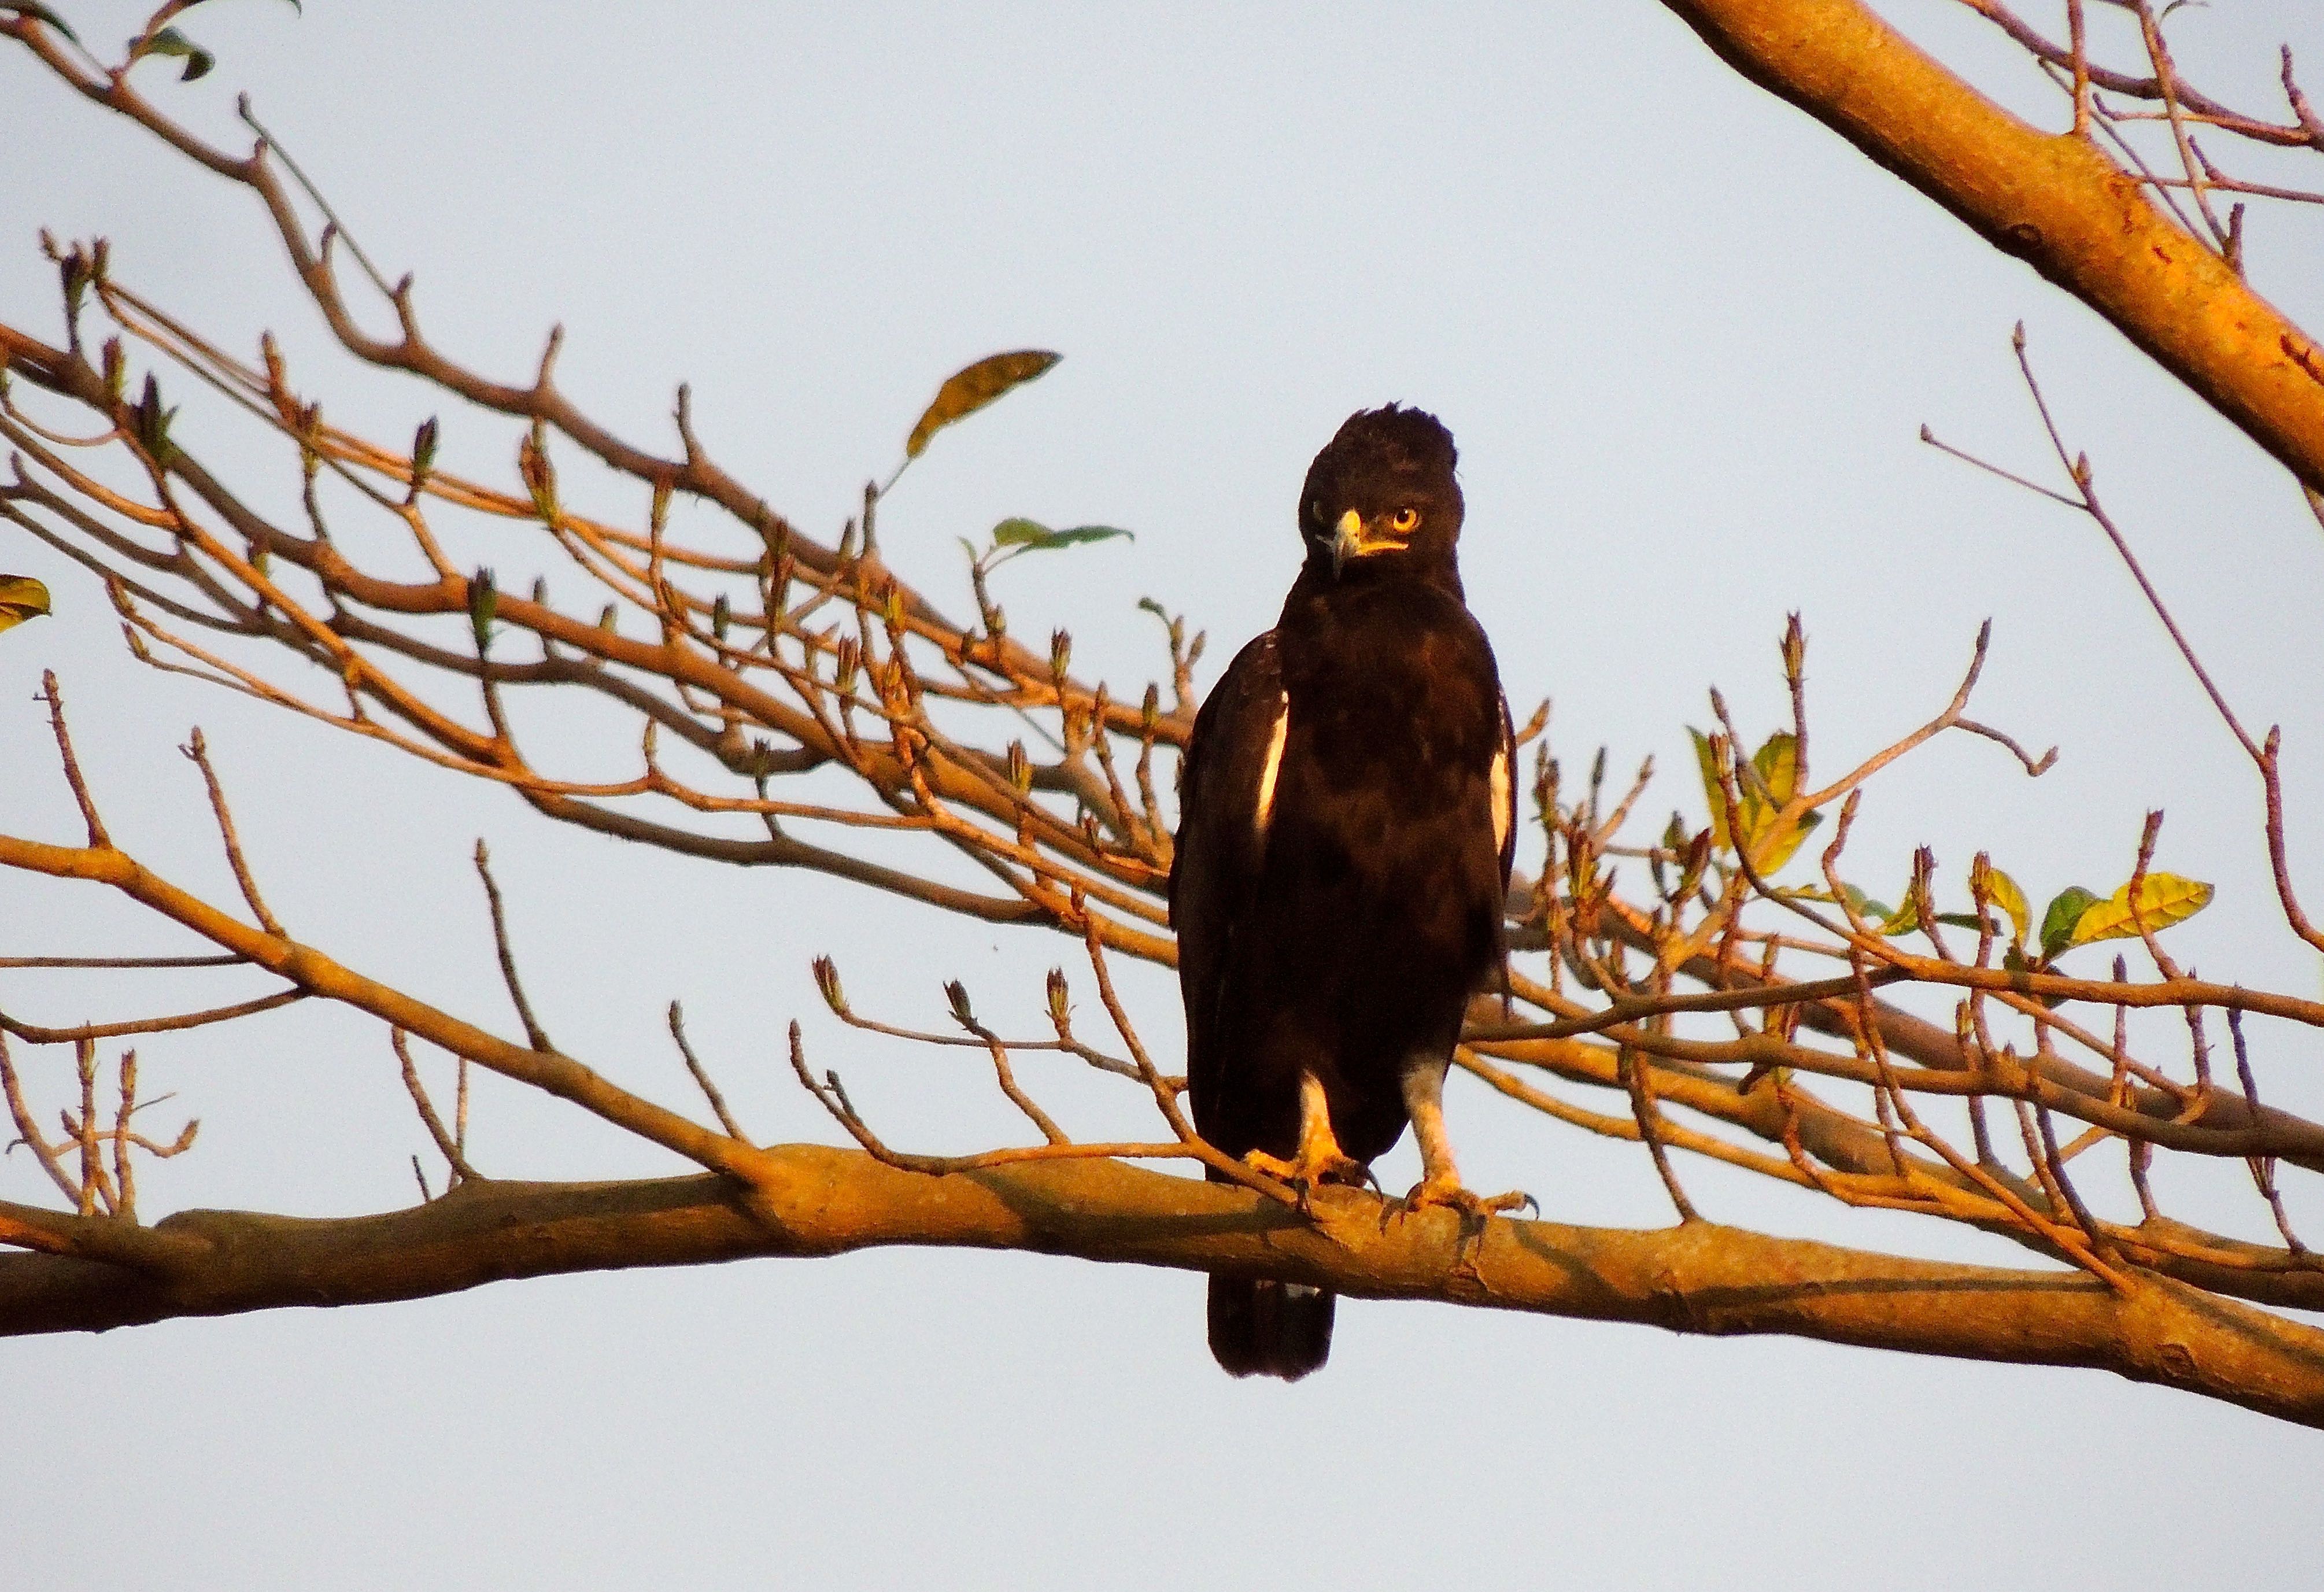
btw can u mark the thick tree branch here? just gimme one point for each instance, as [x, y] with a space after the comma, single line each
[812, 1201]
[2051, 200]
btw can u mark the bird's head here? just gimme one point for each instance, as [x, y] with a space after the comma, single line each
[1382, 496]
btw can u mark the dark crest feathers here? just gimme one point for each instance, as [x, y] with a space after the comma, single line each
[1378, 451]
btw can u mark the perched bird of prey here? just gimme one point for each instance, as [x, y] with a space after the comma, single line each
[1346, 825]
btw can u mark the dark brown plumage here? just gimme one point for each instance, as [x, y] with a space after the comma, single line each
[1344, 840]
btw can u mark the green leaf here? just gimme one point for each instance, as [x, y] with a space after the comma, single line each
[2065, 911]
[1878, 914]
[1866, 906]
[169, 42]
[2164, 899]
[1903, 921]
[42, 14]
[1035, 537]
[21, 598]
[966, 391]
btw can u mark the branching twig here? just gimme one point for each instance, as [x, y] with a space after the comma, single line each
[446, 1143]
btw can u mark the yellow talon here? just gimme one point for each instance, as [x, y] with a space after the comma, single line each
[1313, 1166]
[1319, 1158]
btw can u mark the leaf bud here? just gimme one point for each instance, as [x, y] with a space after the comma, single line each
[826, 983]
[483, 602]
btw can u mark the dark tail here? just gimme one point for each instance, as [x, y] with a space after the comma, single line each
[1262, 1328]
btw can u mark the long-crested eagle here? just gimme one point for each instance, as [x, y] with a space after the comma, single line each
[1346, 826]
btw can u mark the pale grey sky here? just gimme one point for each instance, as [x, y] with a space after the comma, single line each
[1685, 338]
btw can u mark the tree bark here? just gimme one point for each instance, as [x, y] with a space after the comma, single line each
[1699, 1278]
[2051, 199]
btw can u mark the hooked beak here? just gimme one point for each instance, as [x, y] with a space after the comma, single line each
[1349, 541]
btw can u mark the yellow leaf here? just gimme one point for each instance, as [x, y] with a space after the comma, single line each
[1767, 841]
[1773, 771]
[1777, 764]
[2164, 899]
[968, 391]
[1711, 787]
[1772, 843]
[21, 598]
[2003, 892]
[1904, 920]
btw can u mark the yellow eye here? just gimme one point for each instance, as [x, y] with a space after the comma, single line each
[1404, 520]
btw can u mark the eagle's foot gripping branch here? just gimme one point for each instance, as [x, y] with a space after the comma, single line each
[1318, 1160]
[1313, 1167]
[1448, 1191]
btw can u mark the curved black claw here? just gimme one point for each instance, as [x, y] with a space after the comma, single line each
[1447, 1191]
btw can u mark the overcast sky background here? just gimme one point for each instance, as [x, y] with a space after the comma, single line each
[1685, 338]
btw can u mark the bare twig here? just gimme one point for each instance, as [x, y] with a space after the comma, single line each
[28, 1133]
[1638, 1082]
[34, 1033]
[199, 754]
[702, 1076]
[533, 1031]
[97, 838]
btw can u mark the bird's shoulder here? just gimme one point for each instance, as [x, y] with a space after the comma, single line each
[1248, 698]
[1240, 726]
